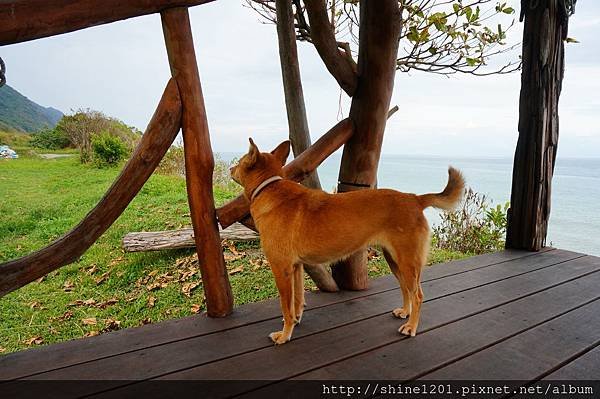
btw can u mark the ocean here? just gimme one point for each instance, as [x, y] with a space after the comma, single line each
[574, 219]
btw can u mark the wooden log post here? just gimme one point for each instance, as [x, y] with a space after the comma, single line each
[379, 33]
[199, 161]
[24, 20]
[541, 81]
[155, 142]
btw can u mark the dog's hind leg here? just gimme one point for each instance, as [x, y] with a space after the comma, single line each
[284, 279]
[410, 271]
[298, 292]
[404, 311]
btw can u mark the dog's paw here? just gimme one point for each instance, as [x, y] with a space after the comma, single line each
[408, 329]
[278, 338]
[400, 313]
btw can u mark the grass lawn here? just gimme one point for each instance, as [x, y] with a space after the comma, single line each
[108, 289]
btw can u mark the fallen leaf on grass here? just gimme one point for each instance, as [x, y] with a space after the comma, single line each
[187, 288]
[258, 263]
[236, 270]
[82, 302]
[68, 286]
[39, 280]
[34, 305]
[231, 246]
[66, 316]
[188, 273]
[91, 321]
[145, 321]
[93, 269]
[230, 258]
[107, 303]
[372, 254]
[92, 333]
[2, 349]
[196, 308]
[151, 301]
[111, 325]
[156, 285]
[34, 341]
[101, 279]
[116, 261]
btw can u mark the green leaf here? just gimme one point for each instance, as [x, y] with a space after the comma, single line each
[571, 40]
[456, 7]
[472, 61]
[508, 10]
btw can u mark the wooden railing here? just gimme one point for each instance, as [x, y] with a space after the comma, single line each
[181, 106]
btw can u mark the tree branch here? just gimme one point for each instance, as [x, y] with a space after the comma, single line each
[323, 37]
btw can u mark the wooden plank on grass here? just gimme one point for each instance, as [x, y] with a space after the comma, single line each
[182, 238]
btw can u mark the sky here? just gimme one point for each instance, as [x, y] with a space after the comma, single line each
[121, 69]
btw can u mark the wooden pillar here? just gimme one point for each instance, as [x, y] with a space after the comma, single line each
[541, 81]
[199, 161]
[378, 49]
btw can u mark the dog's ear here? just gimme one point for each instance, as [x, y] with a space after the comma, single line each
[253, 152]
[282, 152]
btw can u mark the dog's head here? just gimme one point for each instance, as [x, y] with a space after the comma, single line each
[255, 166]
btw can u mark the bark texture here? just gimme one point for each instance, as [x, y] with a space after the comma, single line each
[541, 81]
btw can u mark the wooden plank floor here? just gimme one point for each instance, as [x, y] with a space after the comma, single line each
[511, 315]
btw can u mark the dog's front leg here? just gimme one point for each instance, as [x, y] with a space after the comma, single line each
[284, 280]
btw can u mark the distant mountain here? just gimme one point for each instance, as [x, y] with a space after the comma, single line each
[19, 113]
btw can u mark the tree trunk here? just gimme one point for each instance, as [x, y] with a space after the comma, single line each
[541, 82]
[380, 25]
[292, 85]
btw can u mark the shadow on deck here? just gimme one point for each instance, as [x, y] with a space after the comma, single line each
[511, 315]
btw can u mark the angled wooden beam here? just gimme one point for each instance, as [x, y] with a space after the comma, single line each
[155, 142]
[24, 20]
[199, 161]
[297, 170]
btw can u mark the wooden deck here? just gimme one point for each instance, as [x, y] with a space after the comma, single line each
[510, 315]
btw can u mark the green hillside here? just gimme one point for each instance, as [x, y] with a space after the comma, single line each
[18, 113]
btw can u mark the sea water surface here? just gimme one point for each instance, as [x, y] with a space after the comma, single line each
[574, 218]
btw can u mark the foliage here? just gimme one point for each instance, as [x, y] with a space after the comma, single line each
[443, 37]
[50, 139]
[173, 164]
[107, 289]
[108, 150]
[476, 227]
[13, 139]
[81, 126]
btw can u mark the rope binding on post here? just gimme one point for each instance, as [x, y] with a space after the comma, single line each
[2, 73]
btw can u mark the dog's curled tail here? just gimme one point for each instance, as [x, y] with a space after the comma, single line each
[450, 197]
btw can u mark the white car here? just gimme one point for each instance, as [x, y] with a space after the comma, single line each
[7, 153]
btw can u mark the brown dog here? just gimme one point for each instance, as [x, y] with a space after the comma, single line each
[299, 225]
